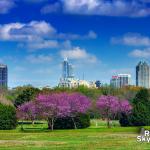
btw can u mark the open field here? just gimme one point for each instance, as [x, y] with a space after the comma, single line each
[36, 137]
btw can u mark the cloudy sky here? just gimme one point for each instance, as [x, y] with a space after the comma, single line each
[100, 37]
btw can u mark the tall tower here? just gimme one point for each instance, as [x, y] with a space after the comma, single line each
[67, 79]
[143, 74]
[3, 76]
[67, 69]
[70, 75]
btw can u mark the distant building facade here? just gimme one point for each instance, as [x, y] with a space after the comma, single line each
[114, 82]
[67, 69]
[3, 76]
[121, 80]
[143, 74]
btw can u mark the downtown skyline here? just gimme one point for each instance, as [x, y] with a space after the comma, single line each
[35, 36]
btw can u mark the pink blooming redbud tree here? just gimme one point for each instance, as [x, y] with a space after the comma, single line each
[52, 106]
[110, 106]
[27, 111]
[125, 107]
[78, 103]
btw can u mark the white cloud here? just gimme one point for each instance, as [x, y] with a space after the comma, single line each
[36, 59]
[37, 30]
[138, 53]
[92, 35]
[107, 8]
[31, 31]
[38, 35]
[78, 54]
[132, 39]
[43, 44]
[6, 6]
[70, 36]
[51, 8]
[32, 35]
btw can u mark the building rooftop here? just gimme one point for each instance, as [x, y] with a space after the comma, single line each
[3, 66]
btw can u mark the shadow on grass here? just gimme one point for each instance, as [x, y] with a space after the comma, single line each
[30, 123]
[34, 130]
[40, 126]
[122, 130]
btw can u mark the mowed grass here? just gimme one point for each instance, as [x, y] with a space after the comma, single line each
[98, 136]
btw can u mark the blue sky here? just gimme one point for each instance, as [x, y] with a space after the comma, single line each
[101, 38]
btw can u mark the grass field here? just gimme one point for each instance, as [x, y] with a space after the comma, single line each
[37, 137]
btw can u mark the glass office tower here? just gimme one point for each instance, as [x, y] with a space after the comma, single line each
[143, 74]
[3, 76]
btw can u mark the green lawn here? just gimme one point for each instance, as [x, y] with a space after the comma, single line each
[36, 137]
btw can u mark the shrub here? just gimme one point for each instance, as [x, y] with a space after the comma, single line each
[7, 117]
[124, 120]
[82, 121]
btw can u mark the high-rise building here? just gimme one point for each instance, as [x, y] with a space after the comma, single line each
[70, 71]
[3, 76]
[67, 69]
[143, 74]
[121, 80]
[124, 79]
[67, 79]
[114, 82]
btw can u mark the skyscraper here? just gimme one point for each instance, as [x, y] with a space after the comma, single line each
[143, 74]
[3, 76]
[70, 71]
[67, 79]
[67, 69]
[124, 79]
[120, 80]
[114, 82]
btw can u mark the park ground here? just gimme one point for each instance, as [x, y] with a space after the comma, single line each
[96, 137]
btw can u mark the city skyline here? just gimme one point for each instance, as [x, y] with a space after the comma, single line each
[99, 43]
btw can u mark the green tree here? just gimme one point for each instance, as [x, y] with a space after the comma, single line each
[26, 94]
[141, 109]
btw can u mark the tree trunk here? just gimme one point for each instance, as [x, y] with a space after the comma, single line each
[51, 124]
[75, 126]
[108, 123]
[32, 122]
[22, 125]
